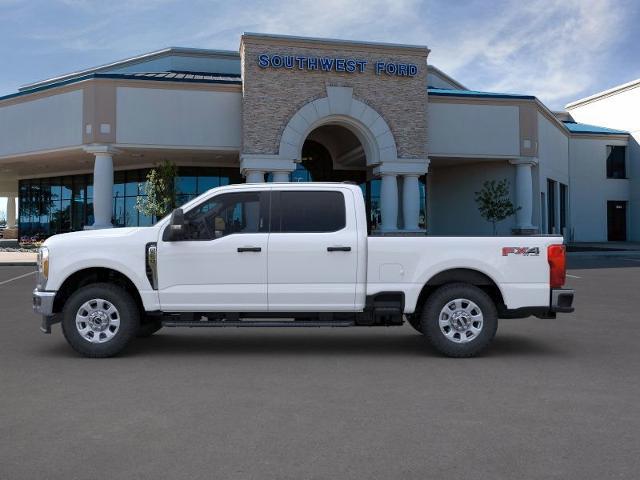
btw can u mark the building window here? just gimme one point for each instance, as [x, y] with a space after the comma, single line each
[564, 201]
[543, 212]
[551, 206]
[616, 161]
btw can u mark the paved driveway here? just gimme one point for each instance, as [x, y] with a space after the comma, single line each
[551, 399]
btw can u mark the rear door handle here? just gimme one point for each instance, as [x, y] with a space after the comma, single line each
[338, 249]
[249, 249]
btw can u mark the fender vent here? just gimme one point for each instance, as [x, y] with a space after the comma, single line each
[151, 264]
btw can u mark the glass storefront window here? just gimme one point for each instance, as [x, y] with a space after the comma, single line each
[118, 219]
[89, 181]
[131, 214]
[60, 204]
[67, 188]
[207, 183]
[186, 185]
[131, 184]
[118, 184]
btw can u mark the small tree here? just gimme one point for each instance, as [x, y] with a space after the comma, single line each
[160, 191]
[494, 203]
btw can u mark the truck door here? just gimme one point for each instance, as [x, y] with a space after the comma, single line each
[221, 264]
[313, 251]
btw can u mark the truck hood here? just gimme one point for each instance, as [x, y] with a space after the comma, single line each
[107, 236]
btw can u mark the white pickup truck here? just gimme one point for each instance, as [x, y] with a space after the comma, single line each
[290, 255]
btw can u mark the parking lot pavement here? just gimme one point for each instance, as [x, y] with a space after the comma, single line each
[551, 399]
[9, 274]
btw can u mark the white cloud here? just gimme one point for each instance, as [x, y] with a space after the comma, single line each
[553, 49]
[349, 19]
[549, 48]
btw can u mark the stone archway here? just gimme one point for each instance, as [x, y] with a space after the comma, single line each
[340, 108]
[399, 206]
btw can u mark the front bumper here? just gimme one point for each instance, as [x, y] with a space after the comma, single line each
[561, 300]
[43, 305]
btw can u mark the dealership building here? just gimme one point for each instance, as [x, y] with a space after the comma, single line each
[75, 150]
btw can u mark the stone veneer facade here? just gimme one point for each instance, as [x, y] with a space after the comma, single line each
[272, 96]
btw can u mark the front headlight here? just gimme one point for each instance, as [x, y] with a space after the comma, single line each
[43, 262]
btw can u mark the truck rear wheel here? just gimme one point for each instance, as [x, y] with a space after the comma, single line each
[99, 320]
[459, 320]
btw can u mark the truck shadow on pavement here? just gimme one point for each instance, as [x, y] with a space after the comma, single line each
[317, 344]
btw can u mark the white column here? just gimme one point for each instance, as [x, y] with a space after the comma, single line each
[280, 176]
[254, 166]
[410, 201]
[254, 176]
[389, 202]
[524, 192]
[102, 185]
[11, 212]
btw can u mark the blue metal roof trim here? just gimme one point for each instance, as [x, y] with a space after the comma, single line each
[227, 79]
[445, 92]
[575, 127]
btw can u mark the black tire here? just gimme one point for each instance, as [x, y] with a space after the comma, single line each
[127, 312]
[416, 322]
[148, 327]
[449, 346]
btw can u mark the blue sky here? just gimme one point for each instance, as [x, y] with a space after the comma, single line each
[559, 50]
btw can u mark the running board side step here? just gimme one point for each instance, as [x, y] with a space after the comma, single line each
[260, 323]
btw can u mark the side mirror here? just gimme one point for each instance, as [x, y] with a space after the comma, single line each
[176, 228]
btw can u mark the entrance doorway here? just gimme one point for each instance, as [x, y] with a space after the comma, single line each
[617, 221]
[332, 153]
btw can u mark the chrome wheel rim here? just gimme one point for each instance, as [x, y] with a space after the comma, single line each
[461, 320]
[97, 320]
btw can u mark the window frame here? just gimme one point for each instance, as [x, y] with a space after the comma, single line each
[609, 168]
[275, 224]
[552, 206]
[264, 207]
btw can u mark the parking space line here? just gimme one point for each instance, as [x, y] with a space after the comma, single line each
[17, 278]
[573, 276]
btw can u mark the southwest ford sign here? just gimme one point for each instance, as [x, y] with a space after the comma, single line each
[335, 64]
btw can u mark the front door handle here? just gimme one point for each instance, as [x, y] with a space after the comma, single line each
[338, 249]
[249, 249]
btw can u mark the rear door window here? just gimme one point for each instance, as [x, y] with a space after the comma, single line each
[308, 212]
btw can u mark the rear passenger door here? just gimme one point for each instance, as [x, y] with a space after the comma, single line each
[312, 251]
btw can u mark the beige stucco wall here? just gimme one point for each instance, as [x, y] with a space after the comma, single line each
[473, 129]
[44, 123]
[272, 96]
[178, 117]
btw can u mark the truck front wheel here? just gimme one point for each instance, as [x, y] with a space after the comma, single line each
[459, 320]
[100, 319]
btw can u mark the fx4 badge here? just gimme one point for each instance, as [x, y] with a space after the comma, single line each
[526, 251]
